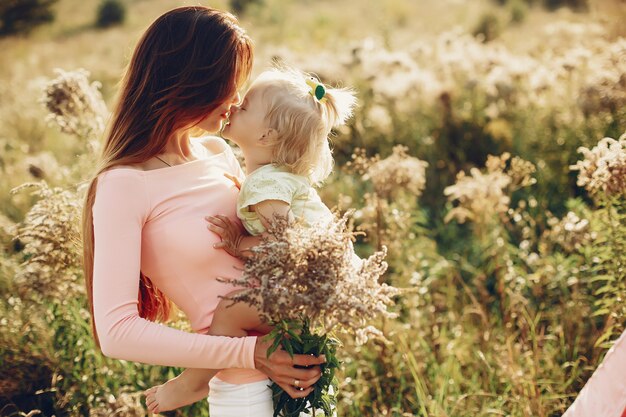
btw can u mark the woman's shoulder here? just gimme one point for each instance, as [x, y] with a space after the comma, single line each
[126, 171]
[214, 146]
[121, 186]
[122, 180]
[123, 177]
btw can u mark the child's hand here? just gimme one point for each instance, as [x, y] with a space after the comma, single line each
[234, 179]
[229, 232]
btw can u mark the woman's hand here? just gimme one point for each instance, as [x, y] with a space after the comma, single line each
[279, 367]
[229, 232]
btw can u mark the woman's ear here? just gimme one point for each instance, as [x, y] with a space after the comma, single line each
[269, 137]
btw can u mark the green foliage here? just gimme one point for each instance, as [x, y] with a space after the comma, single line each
[297, 338]
[22, 16]
[110, 13]
[27, 365]
[608, 268]
[483, 324]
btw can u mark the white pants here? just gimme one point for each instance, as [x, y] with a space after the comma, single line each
[240, 400]
[244, 400]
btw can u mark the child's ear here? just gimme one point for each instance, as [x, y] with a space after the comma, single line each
[268, 137]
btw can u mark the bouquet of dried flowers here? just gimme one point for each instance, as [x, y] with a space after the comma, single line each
[308, 283]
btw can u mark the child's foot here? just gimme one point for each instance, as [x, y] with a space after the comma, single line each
[172, 395]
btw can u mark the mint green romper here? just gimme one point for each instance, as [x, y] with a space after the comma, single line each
[274, 183]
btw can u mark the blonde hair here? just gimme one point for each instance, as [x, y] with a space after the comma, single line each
[302, 122]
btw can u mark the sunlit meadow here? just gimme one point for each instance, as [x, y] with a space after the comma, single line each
[487, 155]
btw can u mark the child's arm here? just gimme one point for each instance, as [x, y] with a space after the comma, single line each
[268, 209]
[233, 240]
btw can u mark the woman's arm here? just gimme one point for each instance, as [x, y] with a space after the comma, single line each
[119, 213]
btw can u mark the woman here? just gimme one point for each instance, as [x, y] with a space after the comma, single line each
[145, 239]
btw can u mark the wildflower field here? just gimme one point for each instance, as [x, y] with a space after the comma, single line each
[487, 155]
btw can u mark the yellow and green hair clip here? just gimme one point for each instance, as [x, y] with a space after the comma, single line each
[317, 89]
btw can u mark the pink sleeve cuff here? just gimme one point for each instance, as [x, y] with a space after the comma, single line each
[249, 345]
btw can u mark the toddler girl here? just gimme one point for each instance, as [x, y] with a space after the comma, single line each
[282, 127]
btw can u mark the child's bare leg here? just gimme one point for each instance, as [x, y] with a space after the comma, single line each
[236, 319]
[190, 386]
[229, 319]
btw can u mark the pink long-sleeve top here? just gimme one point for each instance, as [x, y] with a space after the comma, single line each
[153, 222]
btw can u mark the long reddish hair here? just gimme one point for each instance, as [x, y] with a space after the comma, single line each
[188, 62]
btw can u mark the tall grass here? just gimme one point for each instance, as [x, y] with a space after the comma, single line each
[513, 270]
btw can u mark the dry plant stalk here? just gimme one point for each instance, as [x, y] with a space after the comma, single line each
[75, 104]
[51, 236]
[603, 168]
[571, 233]
[602, 172]
[399, 171]
[482, 196]
[386, 215]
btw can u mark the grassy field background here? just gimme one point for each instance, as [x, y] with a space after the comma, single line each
[514, 269]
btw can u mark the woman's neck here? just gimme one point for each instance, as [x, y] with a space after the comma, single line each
[179, 146]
